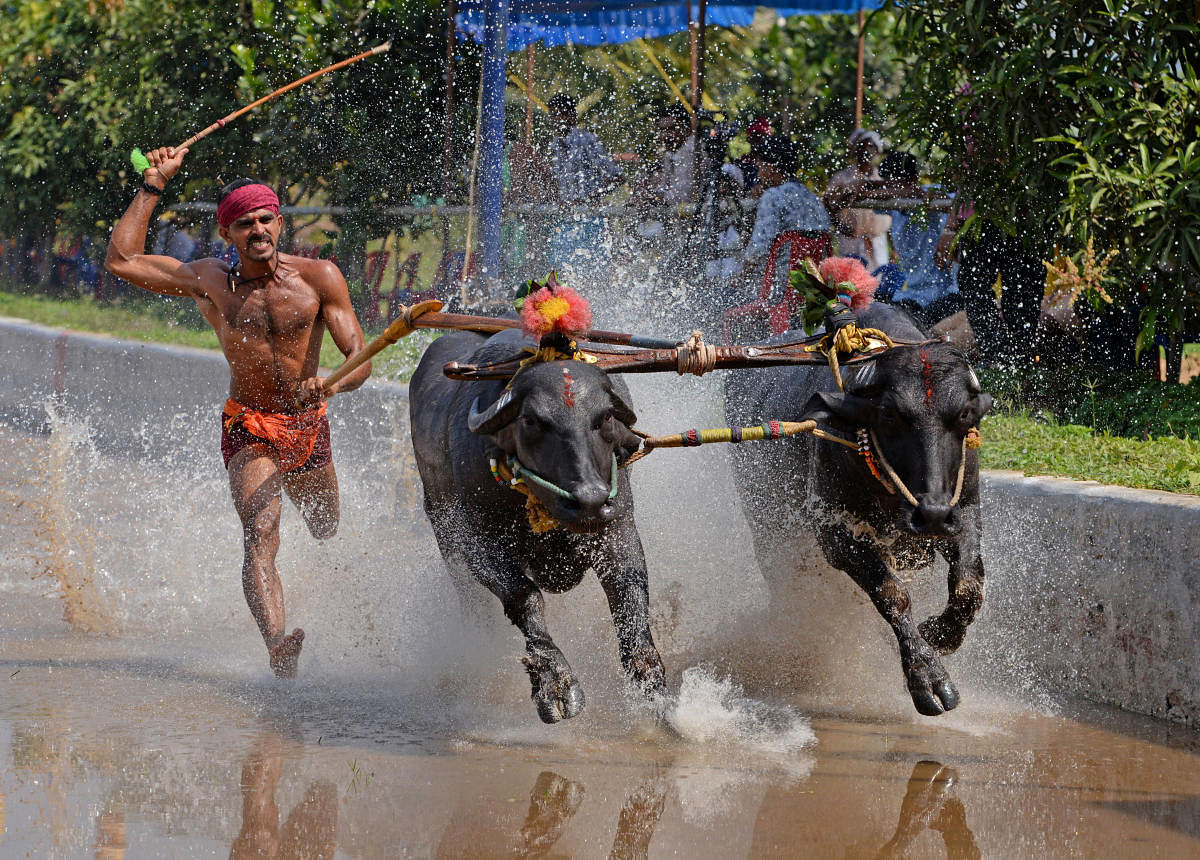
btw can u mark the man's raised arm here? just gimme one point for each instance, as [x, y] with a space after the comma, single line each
[126, 257]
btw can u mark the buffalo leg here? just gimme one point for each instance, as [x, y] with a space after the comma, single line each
[928, 681]
[628, 593]
[946, 632]
[556, 691]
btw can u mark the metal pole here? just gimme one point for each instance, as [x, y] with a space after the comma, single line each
[697, 94]
[858, 95]
[495, 48]
[529, 93]
[695, 54]
[448, 122]
[701, 43]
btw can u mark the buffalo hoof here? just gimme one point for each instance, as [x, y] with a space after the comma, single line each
[943, 636]
[556, 692]
[647, 674]
[936, 700]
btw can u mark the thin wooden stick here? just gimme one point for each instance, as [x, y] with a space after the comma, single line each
[467, 255]
[224, 121]
[402, 326]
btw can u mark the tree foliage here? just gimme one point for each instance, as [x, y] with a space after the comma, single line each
[1070, 120]
[800, 71]
[85, 81]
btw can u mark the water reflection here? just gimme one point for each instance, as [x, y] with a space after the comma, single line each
[930, 804]
[552, 802]
[110, 835]
[639, 816]
[484, 829]
[310, 830]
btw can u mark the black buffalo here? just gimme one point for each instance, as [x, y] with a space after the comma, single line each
[564, 426]
[914, 406]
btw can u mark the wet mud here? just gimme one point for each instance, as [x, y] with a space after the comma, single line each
[156, 728]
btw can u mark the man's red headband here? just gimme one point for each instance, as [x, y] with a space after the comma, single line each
[246, 199]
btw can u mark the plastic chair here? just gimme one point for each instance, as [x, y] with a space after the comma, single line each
[777, 317]
[377, 262]
[406, 295]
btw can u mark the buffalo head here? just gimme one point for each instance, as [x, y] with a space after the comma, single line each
[916, 405]
[566, 427]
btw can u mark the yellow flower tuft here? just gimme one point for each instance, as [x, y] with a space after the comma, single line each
[554, 309]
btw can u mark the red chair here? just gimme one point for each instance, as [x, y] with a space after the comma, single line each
[776, 317]
[377, 262]
[406, 295]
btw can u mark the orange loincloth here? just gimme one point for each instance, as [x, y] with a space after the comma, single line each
[292, 436]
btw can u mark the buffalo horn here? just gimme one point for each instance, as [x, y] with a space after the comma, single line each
[495, 417]
[861, 377]
[621, 410]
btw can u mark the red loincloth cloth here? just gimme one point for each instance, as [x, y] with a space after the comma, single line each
[301, 441]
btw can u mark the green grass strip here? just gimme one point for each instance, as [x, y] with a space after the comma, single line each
[84, 314]
[1023, 444]
[152, 319]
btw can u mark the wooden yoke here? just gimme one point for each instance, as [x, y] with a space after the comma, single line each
[655, 355]
[682, 358]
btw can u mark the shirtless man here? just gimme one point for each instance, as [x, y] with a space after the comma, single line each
[270, 314]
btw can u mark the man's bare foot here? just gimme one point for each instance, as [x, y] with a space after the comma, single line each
[286, 655]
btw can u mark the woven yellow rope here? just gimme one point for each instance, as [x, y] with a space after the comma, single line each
[540, 519]
[851, 339]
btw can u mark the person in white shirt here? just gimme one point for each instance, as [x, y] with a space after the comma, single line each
[861, 232]
[786, 204]
[582, 167]
[674, 180]
[583, 172]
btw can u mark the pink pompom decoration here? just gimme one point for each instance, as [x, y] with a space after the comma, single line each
[838, 270]
[561, 309]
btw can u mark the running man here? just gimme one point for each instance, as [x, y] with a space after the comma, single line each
[270, 313]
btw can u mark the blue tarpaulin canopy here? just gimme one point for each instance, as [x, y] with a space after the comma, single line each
[610, 22]
[501, 26]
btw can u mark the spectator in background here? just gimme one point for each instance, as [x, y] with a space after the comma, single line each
[674, 180]
[785, 203]
[527, 180]
[861, 232]
[756, 135]
[582, 167]
[583, 172]
[927, 291]
[174, 241]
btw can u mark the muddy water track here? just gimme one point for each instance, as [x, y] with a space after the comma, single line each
[157, 731]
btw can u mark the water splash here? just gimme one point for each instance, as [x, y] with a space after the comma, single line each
[65, 539]
[713, 710]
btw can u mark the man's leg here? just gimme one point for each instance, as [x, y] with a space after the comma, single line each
[255, 482]
[315, 493]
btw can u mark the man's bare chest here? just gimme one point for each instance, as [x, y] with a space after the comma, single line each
[278, 310]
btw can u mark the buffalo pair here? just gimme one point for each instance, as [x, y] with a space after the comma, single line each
[563, 428]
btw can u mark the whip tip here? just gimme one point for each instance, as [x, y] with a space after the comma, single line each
[386, 46]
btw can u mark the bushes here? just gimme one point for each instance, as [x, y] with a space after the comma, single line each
[1130, 405]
